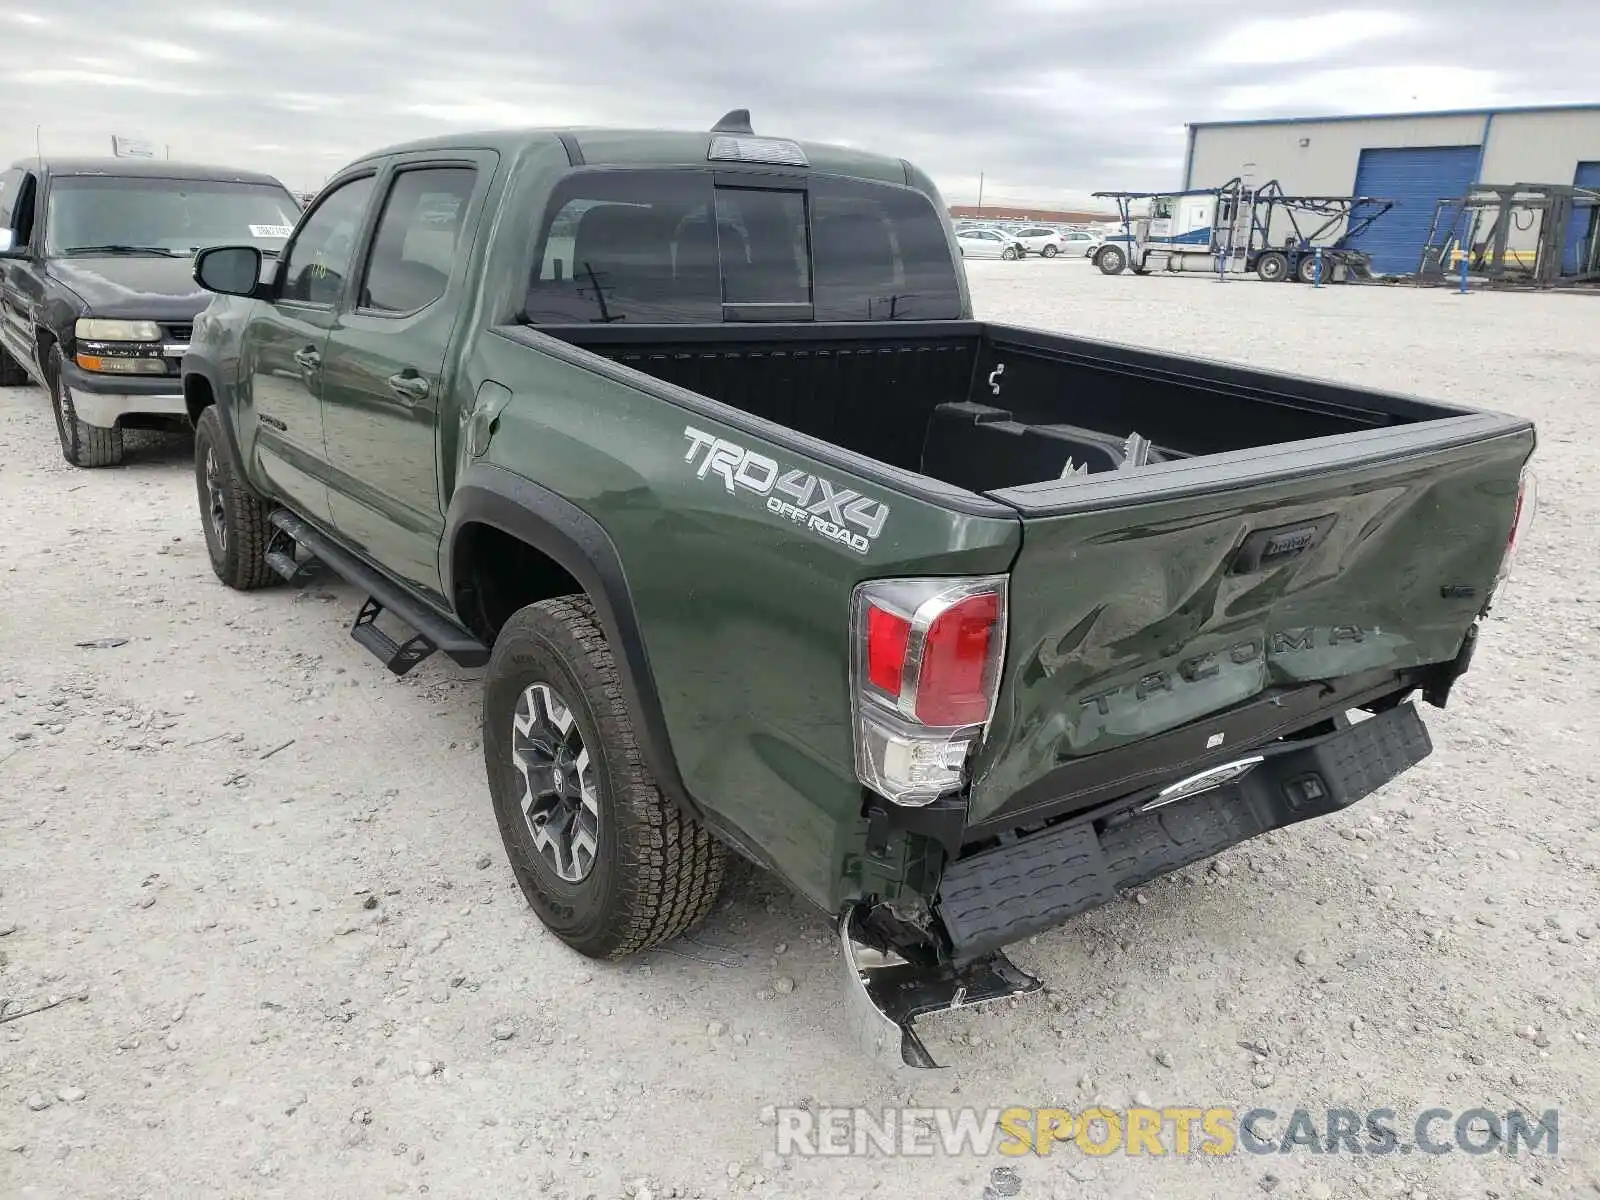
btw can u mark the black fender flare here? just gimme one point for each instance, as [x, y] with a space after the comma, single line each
[489, 495]
[229, 434]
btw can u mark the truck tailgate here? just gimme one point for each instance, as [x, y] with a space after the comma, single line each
[1153, 601]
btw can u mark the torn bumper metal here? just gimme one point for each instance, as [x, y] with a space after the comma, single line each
[885, 993]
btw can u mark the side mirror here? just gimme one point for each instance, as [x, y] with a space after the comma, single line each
[228, 270]
[8, 246]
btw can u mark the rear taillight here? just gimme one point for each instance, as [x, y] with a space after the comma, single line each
[1522, 518]
[926, 671]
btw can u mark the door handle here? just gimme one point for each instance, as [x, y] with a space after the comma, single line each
[308, 358]
[408, 385]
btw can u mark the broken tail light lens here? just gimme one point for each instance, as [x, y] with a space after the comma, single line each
[927, 660]
[1522, 517]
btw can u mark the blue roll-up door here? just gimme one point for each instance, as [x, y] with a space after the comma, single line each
[1578, 230]
[1416, 180]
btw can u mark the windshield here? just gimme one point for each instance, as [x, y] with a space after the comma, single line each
[104, 214]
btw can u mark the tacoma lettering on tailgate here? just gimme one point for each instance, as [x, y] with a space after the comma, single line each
[840, 514]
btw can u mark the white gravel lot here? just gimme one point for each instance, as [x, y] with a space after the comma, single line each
[307, 973]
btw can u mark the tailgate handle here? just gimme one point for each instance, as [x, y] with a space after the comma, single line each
[1266, 548]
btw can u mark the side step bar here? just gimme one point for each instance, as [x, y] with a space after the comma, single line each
[433, 631]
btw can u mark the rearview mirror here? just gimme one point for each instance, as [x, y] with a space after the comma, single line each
[228, 270]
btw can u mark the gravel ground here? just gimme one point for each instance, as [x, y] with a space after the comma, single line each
[264, 878]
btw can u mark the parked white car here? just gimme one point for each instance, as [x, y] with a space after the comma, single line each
[987, 243]
[1040, 240]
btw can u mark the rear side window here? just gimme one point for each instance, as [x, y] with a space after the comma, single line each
[681, 247]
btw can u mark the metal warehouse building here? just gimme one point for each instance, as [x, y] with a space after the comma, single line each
[1415, 159]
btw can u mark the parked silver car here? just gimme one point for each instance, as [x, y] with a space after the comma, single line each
[987, 243]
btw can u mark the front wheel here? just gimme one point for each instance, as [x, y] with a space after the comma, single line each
[82, 444]
[609, 864]
[233, 515]
[1009, 253]
[1111, 261]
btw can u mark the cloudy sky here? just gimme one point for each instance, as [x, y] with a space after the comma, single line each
[1049, 99]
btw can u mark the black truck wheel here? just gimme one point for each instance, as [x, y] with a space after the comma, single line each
[609, 864]
[1273, 267]
[1111, 260]
[1307, 270]
[233, 515]
[11, 372]
[82, 444]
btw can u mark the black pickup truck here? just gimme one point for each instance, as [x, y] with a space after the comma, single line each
[97, 292]
[692, 441]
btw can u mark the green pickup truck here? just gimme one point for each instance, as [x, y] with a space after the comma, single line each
[691, 440]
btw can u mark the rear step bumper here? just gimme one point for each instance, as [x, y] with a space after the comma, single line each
[1036, 882]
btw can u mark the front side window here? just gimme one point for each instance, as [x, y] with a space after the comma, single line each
[172, 218]
[417, 239]
[679, 246]
[319, 260]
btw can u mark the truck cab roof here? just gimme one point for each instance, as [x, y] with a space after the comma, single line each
[645, 148]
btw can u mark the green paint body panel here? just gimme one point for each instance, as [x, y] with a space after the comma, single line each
[744, 615]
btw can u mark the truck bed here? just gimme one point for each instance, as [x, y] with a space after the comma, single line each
[987, 407]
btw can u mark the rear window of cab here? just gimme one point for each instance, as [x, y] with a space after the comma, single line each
[654, 246]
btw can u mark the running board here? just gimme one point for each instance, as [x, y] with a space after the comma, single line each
[431, 630]
[885, 994]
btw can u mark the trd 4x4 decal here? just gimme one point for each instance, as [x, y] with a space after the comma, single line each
[839, 514]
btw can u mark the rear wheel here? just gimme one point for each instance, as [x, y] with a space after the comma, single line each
[610, 865]
[1049, 252]
[1111, 260]
[82, 444]
[1307, 271]
[1272, 267]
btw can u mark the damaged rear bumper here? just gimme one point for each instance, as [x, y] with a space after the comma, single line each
[1037, 880]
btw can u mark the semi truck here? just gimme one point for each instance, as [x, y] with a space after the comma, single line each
[1236, 229]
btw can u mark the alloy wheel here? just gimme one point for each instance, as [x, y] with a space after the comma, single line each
[559, 801]
[219, 516]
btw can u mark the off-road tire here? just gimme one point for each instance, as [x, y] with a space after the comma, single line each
[238, 557]
[82, 444]
[1111, 260]
[11, 372]
[1272, 267]
[656, 870]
